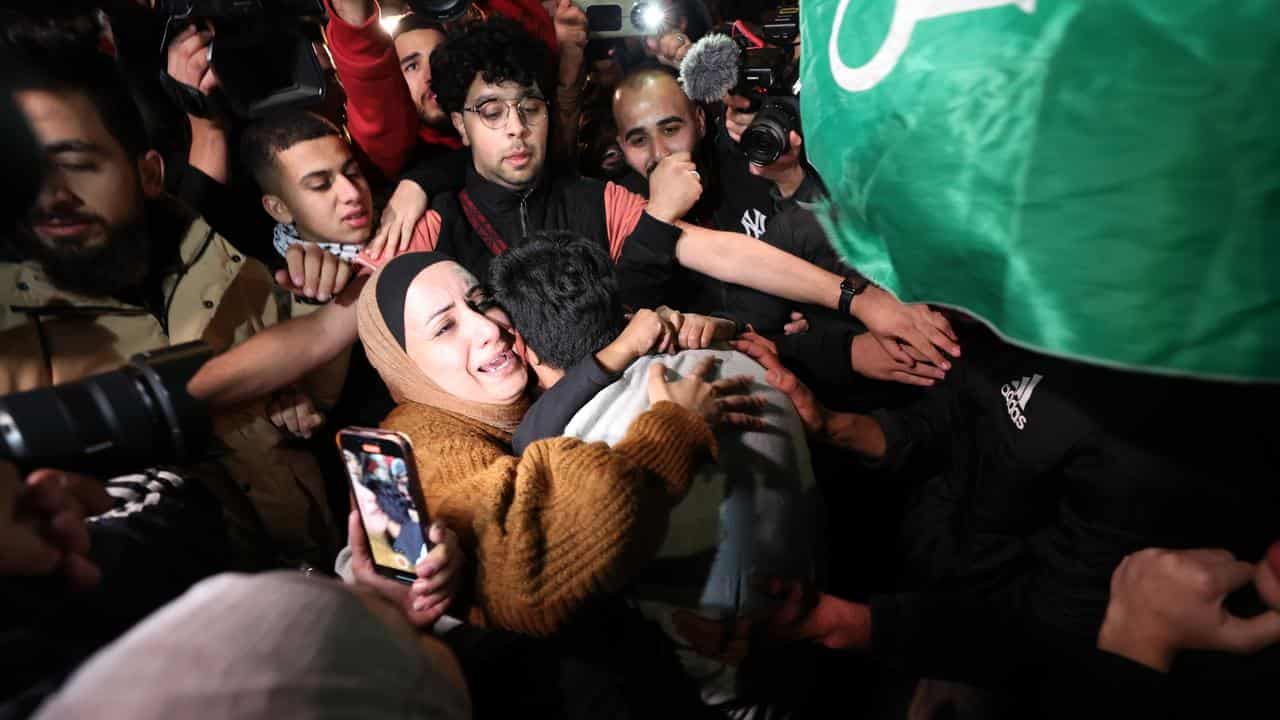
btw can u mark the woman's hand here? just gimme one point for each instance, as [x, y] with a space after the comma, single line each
[722, 402]
[404, 209]
[439, 573]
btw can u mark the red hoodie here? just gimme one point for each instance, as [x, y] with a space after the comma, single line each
[380, 114]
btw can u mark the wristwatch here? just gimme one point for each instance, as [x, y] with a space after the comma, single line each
[849, 287]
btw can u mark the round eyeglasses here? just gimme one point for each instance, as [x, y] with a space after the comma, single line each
[494, 112]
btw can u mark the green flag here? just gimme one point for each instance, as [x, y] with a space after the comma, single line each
[1098, 179]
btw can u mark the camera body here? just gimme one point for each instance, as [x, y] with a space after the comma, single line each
[267, 54]
[630, 18]
[767, 77]
[781, 26]
[439, 10]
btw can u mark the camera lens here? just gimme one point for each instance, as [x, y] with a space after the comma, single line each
[113, 423]
[769, 135]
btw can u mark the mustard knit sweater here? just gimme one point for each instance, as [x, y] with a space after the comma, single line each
[562, 523]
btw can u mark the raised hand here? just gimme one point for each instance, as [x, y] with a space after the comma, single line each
[674, 187]
[187, 59]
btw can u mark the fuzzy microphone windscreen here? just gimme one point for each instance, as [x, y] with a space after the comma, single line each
[710, 68]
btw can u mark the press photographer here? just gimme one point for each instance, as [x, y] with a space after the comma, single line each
[756, 75]
[107, 266]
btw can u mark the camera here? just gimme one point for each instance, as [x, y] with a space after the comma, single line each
[113, 423]
[781, 27]
[738, 62]
[767, 78]
[610, 19]
[439, 10]
[266, 54]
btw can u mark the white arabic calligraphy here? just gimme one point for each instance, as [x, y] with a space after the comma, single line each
[906, 13]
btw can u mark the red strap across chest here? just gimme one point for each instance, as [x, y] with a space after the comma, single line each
[481, 225]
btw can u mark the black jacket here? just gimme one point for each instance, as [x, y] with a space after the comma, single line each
[1057, 470]
[563, 203]
[1054, 472]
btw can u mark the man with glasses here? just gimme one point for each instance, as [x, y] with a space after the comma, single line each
[490, 79]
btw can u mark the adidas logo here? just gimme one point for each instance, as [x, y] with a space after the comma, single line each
[1016, 396]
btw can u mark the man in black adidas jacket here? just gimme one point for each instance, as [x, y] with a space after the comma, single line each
[1054, 472]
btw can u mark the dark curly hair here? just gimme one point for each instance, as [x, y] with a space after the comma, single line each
[561, 293]
[499, 50]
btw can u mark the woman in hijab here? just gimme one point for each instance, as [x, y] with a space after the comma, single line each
[562, 523]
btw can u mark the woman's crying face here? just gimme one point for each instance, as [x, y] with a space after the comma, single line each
[460, 338]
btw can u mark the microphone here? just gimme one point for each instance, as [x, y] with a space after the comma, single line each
[710, 68]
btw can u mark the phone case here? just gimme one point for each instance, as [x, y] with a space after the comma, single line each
[384, 481]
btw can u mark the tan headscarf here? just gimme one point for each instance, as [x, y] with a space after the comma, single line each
[403, 377]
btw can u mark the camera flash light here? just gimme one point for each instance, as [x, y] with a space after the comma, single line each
[653, 16]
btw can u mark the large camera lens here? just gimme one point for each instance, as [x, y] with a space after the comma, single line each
[113, 423]
[768, 137]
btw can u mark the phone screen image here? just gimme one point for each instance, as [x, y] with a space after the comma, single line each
[391, 522]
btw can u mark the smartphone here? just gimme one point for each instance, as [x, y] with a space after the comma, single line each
[384, 481]
[629, 18]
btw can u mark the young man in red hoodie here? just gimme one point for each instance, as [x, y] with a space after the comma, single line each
[382, 107]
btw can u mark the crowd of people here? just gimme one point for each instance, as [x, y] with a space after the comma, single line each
[675, 455]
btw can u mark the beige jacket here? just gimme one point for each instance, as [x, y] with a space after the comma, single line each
[51, 336]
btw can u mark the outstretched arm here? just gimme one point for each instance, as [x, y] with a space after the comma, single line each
[280, 355]
[743, 260]
[380, 111]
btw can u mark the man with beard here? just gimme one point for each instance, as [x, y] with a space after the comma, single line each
[416, 37]
[656, 121]
[108, 267]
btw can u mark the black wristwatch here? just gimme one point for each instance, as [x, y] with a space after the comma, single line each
[849, 287]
